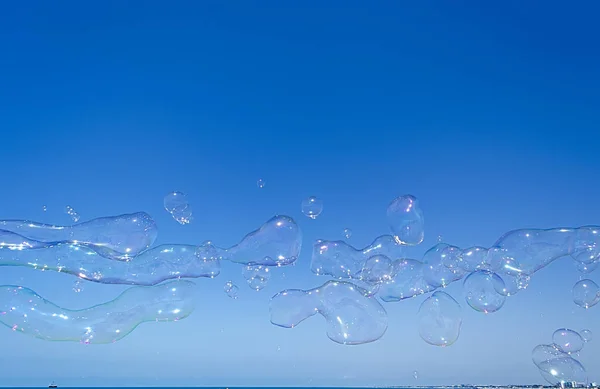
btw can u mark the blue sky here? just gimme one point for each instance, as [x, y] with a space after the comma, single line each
[488, 113]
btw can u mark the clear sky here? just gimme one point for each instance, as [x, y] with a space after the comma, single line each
[488, 113]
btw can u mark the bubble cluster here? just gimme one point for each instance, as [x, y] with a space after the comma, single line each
[72, 213]
[586, 293]
[406, 221]
[177, 204]
[256, 276]
[275, 243]
[351, 316]
[115, 237]
[231, 290]
[440, 319]
[312, 207]
[24, 311]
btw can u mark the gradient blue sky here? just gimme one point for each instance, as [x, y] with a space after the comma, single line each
[486, 112]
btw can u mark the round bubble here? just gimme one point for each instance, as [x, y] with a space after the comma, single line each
[406, 221]
[257, 276]
[347, 233]
[440, 319]
[546, 352]
[586, 335]
[312, 207]
[587, 268]
[565, 369]
[511, 285]
[586, 293]
[567, 340]
[474, 258]
[176, 203]
[231, 289]
[377, 269]
[416, 375]
[260, 183]
[481, 291]
[587, 256]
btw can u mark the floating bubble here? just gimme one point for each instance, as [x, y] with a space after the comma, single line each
[440, 320]
[474, 258]
[312, 207]
[26, 312]
[586, 293]
[116, 237]
[511, 285]
[275, 243]
[256, 276]
[546, 352]
[260, 183]
[587, 255]
[77, 286]
[586, 335]
[587, 268]
[439, 239]
[561, 370]
[44, 208]
[347, 233]
[177, 204]
[231, 289]
[352, 318]
[341, 260]
[407, 282]
[416, 375]
[406, 221]
[436, 271]
[567, 341]
[377, 269]
[71, 212]
[481, 291]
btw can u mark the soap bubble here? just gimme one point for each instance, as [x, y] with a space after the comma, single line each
[260, 183]
[77, 286]
[546, 352]
[587, 268]
[71, 212]
[586, 335]
[231, 289]
[406, 221]
[312, 207]
[256, 276]
[347, 233]
[475, 258]
[440, 319]
[511, 285]
[416, 375]
[437, 260]
[586, 293]
[176, 203]
[480, 291]
[407, 282]
[352, 318]
[377, 269]
[565, 369]
[29, 313]
[567, 341]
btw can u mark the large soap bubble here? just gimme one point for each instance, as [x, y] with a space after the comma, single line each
[275, 243]
[440, 319]
[567, 341]
[406, 220]
[116, 237]
[352, 317]
[26, 312]
[480, 289]
[586, 293]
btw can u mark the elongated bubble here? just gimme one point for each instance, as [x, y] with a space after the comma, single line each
[276, 243]
[24, 311]
[440, 319]
[116, 237]
[340, 260]
[352, 318]
[567, 341]
[406, 220]
[480, 290]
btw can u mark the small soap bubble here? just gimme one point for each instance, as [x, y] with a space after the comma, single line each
[567, 341]
[439, 239]
[440, 320]
[481, 291]
[586, 293]
[586, 335]
[231, 289]
[260, 183]
[71, 212]
[77, 286]
[177, 205]
[347, 233]
[406, 221]
[312, 207]
[416, 375]
[44, 208]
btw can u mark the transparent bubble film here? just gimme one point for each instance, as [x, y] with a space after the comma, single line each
[356, 283]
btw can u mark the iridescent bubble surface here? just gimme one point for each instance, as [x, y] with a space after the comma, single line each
[26, 312]
[567, 341]
[440, 319]
[406, 221]
[177, 204]
[586, 293]
[312, 207]
[480, 288]
[116, 237]
[351, 317]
